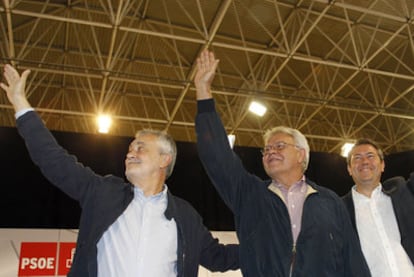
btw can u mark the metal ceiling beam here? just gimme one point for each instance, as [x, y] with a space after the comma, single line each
[11, 49]
[268, 52]
[339, 89]
[287, 59]
[212, 33]
[263, 51]
[278, 98]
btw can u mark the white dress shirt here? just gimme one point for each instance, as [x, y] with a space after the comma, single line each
[141, 242]
[379, 235]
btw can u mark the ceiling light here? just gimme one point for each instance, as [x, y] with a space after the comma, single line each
[346, 148]
[232, 139]
[104, 122]
[257, 108]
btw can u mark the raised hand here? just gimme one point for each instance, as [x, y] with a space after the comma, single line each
[206, 69]
[15, 87]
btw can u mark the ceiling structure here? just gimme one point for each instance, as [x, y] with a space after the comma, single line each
[336, 70]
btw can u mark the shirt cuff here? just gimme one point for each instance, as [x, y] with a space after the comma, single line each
[22, 112]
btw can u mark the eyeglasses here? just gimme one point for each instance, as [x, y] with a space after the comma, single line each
[278, 146]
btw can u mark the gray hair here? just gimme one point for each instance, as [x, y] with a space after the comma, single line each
[365, 141]
[299, 139]
[166, 145]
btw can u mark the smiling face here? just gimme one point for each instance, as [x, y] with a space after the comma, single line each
[144, 160]
[287, 160]
[365, 166]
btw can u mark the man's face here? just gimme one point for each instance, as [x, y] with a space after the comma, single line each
[365, 165]
[282, 156]
[143, 159]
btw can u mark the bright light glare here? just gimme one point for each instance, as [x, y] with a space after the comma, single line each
[346, 148]
[104, 123]
[232, 139]
[257, 108]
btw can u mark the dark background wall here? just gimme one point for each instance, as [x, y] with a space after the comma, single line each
[28, 200]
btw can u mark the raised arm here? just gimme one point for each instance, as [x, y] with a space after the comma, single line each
[60, 168]
[223, 166]
[15, 87]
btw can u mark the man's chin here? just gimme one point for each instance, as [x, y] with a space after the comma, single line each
[367, 181]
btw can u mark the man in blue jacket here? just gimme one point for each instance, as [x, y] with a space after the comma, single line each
[126, 229]
[287, 226]
[382, 214]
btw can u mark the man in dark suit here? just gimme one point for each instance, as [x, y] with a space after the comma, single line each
[382, 214]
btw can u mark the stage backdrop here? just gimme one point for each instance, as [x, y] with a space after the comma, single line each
[28, 200]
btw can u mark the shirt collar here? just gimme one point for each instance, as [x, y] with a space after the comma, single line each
[299, 186]
[139, 194]
[359, 196]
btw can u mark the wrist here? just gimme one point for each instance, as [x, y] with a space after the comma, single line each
[203, 92]
[21, 105]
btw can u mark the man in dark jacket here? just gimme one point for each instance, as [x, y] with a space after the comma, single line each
[287, 226]
[126, 229]
[382, 214]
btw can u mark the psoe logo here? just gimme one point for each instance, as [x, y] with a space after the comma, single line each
[45, 258]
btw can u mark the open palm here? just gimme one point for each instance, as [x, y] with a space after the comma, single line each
[15, 87]
[206, 69]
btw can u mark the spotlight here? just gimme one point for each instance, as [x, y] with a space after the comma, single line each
[257, 108]
[346, 148]
[232, 139]
[104, 122]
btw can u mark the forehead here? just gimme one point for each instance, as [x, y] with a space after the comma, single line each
[144, 139]
[364, 148]
[277, 137]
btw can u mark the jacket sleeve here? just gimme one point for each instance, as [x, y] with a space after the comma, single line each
[60, 168]
[216, 256]
[222, 165]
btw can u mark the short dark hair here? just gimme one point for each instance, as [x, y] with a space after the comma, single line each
[365, 141]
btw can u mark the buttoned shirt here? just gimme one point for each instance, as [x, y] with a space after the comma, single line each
[379, 235]
[141, 242]
[294, 198]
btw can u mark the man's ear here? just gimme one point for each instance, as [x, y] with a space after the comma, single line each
[349, 169]
[302, 155]
[166, 160]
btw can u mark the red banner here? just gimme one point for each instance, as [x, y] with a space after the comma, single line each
[43, 258]
[37, 258]
[66, 253]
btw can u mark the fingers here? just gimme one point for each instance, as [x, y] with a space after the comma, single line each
[206, 62]
[6, 77]
[25, 74]
[206, 69]
[207, 59]
[10, 74]
[3, 86]
[12, 77]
